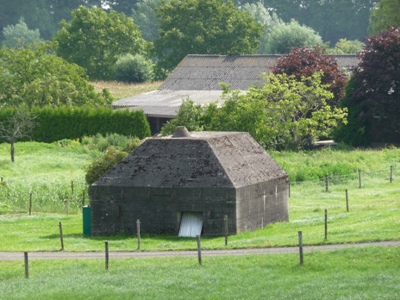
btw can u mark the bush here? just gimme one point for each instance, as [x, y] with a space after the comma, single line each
[54, 124]
[133, 68]
[112, 156]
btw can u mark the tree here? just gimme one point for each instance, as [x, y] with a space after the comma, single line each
[333, 19]
[344, 46]
[267, 19]
[16, 127]
[375, 94]
[20, 36]
[303, 62]
[384, 15]
[122, 6]
[203, 27]
[94, 39]
[284, 113]
[145, 16]
[286, 36]
[189, 115]
[134, 68]
[31, 78]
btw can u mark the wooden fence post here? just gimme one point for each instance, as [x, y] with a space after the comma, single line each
[138, 233]
[107, 255]
[347, 200]
[359, 179]
[26, 264]
[289, 189]
[72, 187]
[391, 174]
[326, 183]
[199, 249]
[301, 247]
[61, 236]
[226, 229]
[326, 224]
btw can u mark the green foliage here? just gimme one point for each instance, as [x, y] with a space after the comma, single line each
[374, 99]
[355, 132]
[20, 36]
[384, 16]
[343, 46]
[145, 16]
[283, 114]
[94, 39]
[189, 115]
[286, 36]
[333, 20]
[304, 62]
[101, 142]
[129, 68]
[203, 27]
[266, 18]
[54, 124]
[117, 149]
[31, 78]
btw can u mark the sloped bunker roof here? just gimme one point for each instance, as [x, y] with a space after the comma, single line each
[198, 159]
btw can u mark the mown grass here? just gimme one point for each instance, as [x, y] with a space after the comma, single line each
[364, 273]
[120, 90]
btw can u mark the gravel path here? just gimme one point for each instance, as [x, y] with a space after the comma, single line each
[7, 256]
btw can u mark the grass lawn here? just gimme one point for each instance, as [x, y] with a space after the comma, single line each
[365, 273]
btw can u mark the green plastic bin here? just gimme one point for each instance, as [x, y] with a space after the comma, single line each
[87, 220]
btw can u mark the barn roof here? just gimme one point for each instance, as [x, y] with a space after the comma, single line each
[204, 159]
[198, 77]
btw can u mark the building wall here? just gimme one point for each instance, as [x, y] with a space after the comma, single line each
[116, 209]
[261, 204]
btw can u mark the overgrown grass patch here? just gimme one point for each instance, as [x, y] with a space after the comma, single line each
[365, 273]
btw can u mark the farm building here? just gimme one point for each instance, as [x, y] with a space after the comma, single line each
[198, 77]
[187, 183]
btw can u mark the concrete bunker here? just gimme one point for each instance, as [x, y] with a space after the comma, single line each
[196, 179]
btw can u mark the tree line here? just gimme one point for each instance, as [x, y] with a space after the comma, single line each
[100, 41]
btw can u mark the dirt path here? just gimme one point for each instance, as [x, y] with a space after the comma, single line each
[6, 256]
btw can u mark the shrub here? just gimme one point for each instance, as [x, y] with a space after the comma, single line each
[112, 156]
[133, 68]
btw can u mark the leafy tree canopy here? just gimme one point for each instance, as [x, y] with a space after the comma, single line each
[376, 83]
[344, 46]
[286, 36]
[203, 27]
[37, 78]
[385, 15]
[20, 36]
[266, 18]
[333, 19]
[303, 62]
[94, 39]
[285, 113]
[145, 16]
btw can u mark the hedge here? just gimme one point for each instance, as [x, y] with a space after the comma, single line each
[54, 124]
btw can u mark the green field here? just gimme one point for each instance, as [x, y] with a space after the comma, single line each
[366, 273]
[47, 170]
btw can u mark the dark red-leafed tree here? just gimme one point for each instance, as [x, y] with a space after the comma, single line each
[376, 84]
[307, 61]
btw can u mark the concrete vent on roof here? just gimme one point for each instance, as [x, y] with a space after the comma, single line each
[181, 131]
